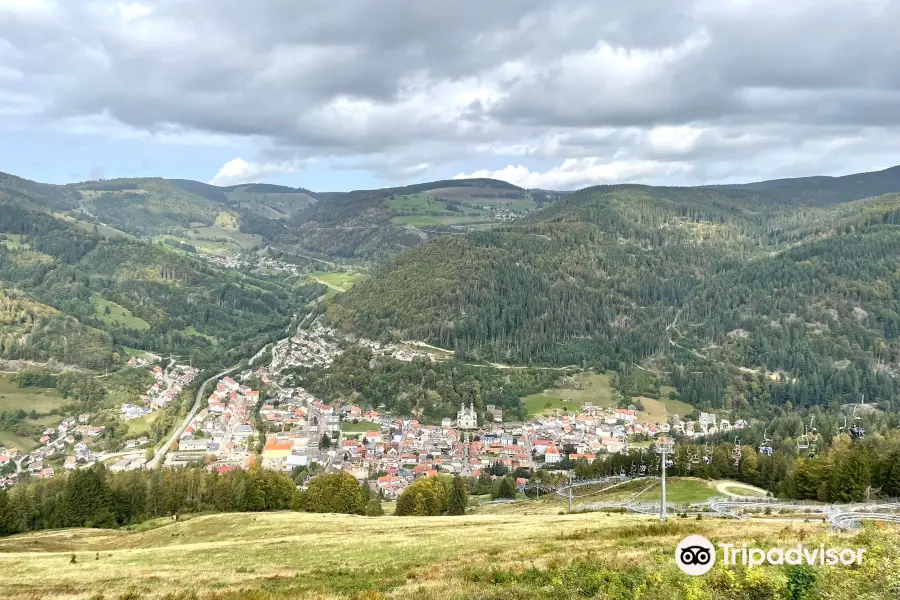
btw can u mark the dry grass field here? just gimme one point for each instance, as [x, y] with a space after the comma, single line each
[294, 555]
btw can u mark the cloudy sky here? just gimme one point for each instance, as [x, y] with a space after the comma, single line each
[336, 95]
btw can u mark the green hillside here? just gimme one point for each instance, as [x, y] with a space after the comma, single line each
[126, 292]
[145, 206]
[372, 225]
[621, 275]
[33, 331]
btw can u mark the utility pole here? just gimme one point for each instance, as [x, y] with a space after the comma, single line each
[662, 505]
[664, 446]
[570, 492]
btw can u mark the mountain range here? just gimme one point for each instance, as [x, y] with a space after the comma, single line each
[792, 281]
[717, 288]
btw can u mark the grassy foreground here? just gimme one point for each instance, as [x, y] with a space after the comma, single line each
[291, 555]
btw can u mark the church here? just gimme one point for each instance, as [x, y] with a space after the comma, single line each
[467, 418]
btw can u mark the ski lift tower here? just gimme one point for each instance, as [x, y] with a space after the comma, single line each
[664, 446]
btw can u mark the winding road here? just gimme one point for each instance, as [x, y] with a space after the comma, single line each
[161, 453]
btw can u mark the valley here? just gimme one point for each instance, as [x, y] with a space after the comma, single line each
[468, 333]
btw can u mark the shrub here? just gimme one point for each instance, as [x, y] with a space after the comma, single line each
[801, 580]
[424, 498]
[374, 508]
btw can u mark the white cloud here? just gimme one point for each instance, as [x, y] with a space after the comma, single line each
[238, 171]
[417, 169]
[26, 7]
[701, 89]
[129, 11]
[581, 172]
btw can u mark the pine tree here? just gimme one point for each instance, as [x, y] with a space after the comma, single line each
[504, 488]
[850, 477]
[891, 487]
[374, 508]
[459, 497]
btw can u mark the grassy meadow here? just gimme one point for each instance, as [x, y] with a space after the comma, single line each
[12, 397]
[658, 411]
[361, 427]
[269, 556]
[41, 400]
[116, 314]
[587, 387]
[339, 281]
[421, 210]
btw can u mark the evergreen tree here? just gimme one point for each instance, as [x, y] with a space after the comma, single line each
[851, 477]
[504, 488]
[891, 485]
[459, 497]
[374, 508]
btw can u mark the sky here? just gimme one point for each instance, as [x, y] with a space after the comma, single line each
[553, 94]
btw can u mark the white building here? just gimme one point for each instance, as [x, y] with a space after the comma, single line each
[467, 418]
[552, 456]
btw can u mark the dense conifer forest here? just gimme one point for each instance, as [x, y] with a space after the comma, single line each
[699, 285]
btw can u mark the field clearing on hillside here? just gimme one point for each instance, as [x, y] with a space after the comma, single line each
[11, 440]
[658, 411]
[141, 426]
[419, 221]
[117, 313]
[191, 330]
[12, 397]
[588, 387]
[14, 241]
[103, 230]
[418, 203]
[221, 240]
[293, 555]
[340, 282]
[508, 203]
[226, 220]
[474, 193]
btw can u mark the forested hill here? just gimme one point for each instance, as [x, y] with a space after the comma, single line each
[823, 190]
[86, 295]
[372, 225]
[361, 226]
[620, 275]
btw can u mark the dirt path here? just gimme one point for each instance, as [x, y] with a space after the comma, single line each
[724, 487]
[331, 285]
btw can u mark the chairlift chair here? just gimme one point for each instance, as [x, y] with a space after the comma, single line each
[813, 444]
[766, 447]
[803, 441]
[857, 430]
[736, 451]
